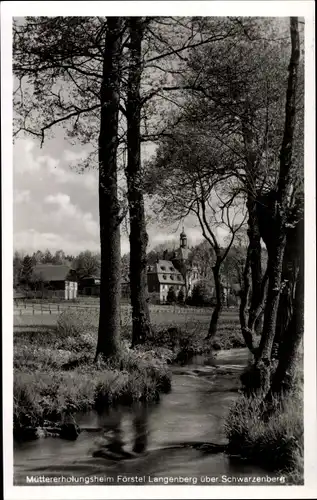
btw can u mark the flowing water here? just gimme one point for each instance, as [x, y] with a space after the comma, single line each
[150, 442]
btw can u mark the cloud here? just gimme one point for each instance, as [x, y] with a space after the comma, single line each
[68, 212]
[63, 201]
[57, 207]
[63, 174]
[21, 196]
[71, 156]
[31, 240]
[24, 161]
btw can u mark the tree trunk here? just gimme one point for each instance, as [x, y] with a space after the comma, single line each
[141, 326]
[245, 291]
[255, 252]
[109, 207]
[289, 279]
[288, 351]
[219, 303]
[281, 213]
[275, 265]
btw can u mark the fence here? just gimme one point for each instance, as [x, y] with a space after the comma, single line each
[25, 307]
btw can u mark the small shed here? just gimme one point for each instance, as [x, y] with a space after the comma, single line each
[55, 280]
[90, 285]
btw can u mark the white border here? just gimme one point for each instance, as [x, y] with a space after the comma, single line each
[188, 8]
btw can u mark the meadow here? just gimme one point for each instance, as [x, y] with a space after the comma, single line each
[189, 320]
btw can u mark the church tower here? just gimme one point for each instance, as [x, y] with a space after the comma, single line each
[183, 239]
[183, 251]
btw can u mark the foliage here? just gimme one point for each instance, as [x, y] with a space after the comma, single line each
[202, 256]
[273, 440]
[181, 296]
[17, 268]
[171, 296]
[26, 276]
[202, 294]
[87, 264]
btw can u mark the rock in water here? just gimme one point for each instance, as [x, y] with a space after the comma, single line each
[69, 431]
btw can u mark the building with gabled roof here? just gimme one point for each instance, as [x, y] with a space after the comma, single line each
[59, 278]
[161, 277]
[176, 274]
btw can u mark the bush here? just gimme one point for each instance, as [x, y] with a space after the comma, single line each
[202, 294]
[171, 296]
[181, 297]
[271, 437]
[74, 323]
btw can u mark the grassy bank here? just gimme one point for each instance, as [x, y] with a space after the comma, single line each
[271, 436]
[54, 374]
[187, 338]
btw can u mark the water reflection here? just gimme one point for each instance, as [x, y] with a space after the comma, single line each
[110, 422]
[117, 435]
[140, 424]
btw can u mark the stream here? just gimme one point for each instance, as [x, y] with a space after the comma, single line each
[149, 444]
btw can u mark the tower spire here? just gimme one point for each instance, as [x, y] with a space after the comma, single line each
[183, 239]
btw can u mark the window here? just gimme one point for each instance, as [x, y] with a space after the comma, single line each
[164, 276]
[172, 277]
[171, 269]
[163, 268]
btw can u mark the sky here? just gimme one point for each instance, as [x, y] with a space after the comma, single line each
[56, 207]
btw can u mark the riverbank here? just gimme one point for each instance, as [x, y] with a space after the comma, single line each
[172, 433]
[270, 434]
[55, 376]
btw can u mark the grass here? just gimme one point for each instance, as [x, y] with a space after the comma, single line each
[183, 333]
[187, 338]
[270, 436]
[54, 373]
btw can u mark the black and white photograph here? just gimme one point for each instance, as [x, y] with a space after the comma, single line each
[158, 270]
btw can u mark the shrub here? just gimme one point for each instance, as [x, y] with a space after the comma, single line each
[74, 323]
[202, 294]
[273, 440]
[171, 296]
[181, 297]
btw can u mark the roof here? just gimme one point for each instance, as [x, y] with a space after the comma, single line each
[91, 277]
[167, 273]
[52, 272]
